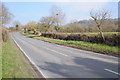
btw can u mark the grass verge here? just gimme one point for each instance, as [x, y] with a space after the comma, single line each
[100, 48]
[14, 64]
[0, 61]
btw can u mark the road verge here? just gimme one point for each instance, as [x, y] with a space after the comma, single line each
[14, 64]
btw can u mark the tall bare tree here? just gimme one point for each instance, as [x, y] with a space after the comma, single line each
[99, 17]
[58, 15]
[5, 15]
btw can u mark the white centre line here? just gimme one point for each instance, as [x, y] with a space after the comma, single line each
[112, 71]
[55, 51]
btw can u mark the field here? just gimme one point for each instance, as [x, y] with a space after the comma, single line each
[87, 33]
[14, 64]
[100, 48]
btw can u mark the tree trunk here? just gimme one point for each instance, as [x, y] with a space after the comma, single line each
[101, 34]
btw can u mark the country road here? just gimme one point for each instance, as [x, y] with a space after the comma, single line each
[57, 61]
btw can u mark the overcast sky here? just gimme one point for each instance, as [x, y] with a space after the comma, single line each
[74, 9]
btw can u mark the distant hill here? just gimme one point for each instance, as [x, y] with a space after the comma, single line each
[91, 23]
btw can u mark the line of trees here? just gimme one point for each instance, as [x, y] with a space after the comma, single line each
[100, 21]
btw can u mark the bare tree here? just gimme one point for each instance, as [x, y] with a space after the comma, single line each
[5, 15]
[58, 15]
[47, 22]
[99, 17]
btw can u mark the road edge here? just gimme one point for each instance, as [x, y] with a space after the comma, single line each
[33, 65]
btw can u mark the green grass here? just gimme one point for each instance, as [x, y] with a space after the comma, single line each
[101, 48]
[14, 64]
[1, 53]
[0, 60]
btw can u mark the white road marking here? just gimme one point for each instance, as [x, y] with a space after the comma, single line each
[55, 51]
[29, 58]
[112, 71]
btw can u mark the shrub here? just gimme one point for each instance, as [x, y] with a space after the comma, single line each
[5, 34]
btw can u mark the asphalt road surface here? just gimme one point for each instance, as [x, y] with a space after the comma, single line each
[57, 61]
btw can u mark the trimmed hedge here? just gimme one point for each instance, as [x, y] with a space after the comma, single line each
[110, 39]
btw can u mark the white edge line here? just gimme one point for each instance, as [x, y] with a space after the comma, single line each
[112, 71]
[28, 58]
